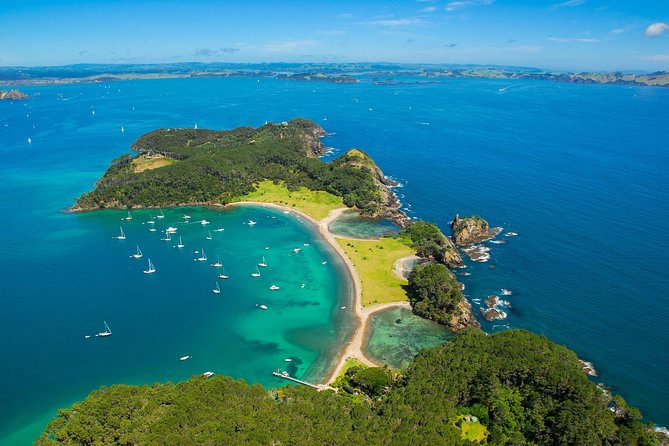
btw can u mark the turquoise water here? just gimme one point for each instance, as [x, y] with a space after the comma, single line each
[579, 171]
[353, 225]
[397, 335]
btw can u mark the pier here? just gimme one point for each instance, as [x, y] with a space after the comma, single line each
[285, 375]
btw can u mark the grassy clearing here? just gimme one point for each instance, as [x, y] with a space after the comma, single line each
[350, 362]
[316, 204]
[142, 162]
[472, 431]
[374, 260]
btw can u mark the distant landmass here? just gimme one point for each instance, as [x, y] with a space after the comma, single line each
[12, 94]
[380, 73]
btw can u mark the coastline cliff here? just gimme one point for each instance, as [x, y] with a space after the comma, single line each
[470, 230]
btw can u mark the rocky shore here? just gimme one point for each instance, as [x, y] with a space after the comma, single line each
[470, 230]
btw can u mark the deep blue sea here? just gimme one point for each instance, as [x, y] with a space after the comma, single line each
[578, 171]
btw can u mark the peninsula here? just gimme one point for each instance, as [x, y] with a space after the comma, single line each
[511, 387]
[12, 95]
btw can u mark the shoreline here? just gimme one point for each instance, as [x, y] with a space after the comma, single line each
[353, 349]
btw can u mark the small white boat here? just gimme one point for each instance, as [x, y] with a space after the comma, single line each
[297, 250]
[151, 221]
[107, 331]
[30, 141]
[202, 257]
[152, 229]
[218, 263]
[138, 254]
[288, 360]
[302, 286]
[274, 287]
[324, 262]
[186, 217]
[510, 234]
[219, 230]
[223, 275]
[87, 337]
[152, 268]
[181, 243]
[209, 237]
[251, 222]
[167, 237]
[161, 215]
[171, 230]
[184, 358]
[122, 129]
[129, 217]
[262, 264]
[122, 235]
[208, 374]
[306, 244]
[262, 307]
[216, 290]
[342, 308]
[256, 274]
[204, 222]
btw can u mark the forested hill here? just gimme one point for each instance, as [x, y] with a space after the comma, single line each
[174, 167]
[508, 388]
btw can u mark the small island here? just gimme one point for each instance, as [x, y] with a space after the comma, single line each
[511, 387]
[12, 95]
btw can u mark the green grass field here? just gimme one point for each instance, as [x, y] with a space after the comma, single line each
[472, 431]
[316, 204]
[374, 260]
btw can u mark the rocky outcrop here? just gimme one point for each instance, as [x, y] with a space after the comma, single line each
[12, 95]
[470, 230]
[462, 317]
[493, 312]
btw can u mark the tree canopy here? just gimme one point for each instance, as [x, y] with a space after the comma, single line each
[433, 292]
[521, 387]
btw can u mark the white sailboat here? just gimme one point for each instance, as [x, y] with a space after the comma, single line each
[202, 257]
[216, 290]
[122, 235]
[150, 221]
[152, 268]
[274, 287]
[218, 263]
[251, 223]
[185, 358]
[262, 264]
[152, 228]
[107, 331]
[209, 237]
[223, 275]
[186, 217]
[138, 254]
[181, 243]
[262, 307]
[161, 215]
[129, 217]
[171, 230]
[256, 274]
[167, 237]
[204, 222]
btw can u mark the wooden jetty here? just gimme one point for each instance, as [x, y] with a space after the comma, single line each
[285, 375]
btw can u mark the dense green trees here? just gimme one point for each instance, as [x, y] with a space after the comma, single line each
[433, 292]
[217, 167]
[523, 388]
[431, 243]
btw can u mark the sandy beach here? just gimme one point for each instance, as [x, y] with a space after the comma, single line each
[354, 348]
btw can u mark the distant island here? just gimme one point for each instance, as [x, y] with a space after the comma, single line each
[511, 387]
[12, 95]
[376, 73]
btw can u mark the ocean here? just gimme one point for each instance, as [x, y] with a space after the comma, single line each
[577, 171]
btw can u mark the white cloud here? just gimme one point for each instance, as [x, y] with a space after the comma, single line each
[428, 9]
[572, 39]
[394, 22]
[656, 58]
[461, 4]
[567, 4]
[656, 29]
[617, 31]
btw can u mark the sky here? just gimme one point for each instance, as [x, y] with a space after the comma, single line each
[571, 35]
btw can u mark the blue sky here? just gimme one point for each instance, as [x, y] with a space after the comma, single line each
[566, 35]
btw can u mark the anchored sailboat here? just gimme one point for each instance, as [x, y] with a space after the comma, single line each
[138, 254]
[223, 275]
[167, 237]
[203, 257]
[209, 237]
[107, 331]
[180, 244]
[161, 215]
[218, 263]
[216, 290]
[129, 217]
[262, 264]
[256, 274]
[122, 236]
[151, 270]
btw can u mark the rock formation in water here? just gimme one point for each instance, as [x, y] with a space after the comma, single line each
[470, 230]
[12, 95]
[493, 312]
